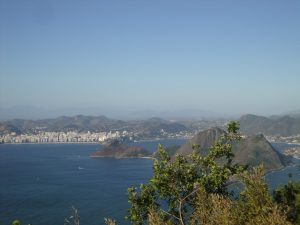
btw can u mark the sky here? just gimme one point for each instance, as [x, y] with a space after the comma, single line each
[113, 56]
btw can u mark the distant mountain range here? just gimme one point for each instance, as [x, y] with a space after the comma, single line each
[90, 123]
[34, 113]
[276, 125]
[250, 124]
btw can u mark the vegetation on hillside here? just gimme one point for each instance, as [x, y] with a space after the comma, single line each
[251, 150]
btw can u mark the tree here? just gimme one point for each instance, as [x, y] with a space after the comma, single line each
[288, 196]
[172, 190]
[254, 207]
[193, 190]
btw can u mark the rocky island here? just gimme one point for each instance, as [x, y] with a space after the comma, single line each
[117, 149]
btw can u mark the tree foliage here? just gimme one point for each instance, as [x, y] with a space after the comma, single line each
[173, 188]
[193, 190]
[16, 222]
[288, 196]
[256, 205]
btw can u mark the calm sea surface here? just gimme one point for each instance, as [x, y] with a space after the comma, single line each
[40, 183]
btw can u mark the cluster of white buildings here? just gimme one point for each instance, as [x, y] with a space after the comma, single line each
[63, 137]
[295, 139]
[294, 151]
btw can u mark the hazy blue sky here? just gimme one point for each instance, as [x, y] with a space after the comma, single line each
[223, 56]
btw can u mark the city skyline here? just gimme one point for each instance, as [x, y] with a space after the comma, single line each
[120, 57]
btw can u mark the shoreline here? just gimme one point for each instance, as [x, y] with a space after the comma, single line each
[280, 169]
[49, 143]
[159, 139]
[135, 141]
[113, 157]
[288, 143]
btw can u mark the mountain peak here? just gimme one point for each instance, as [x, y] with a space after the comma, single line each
[252, 150]
[204, 138]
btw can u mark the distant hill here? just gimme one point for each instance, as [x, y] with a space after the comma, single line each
[251, 151]
[116, 149]
[154, 126]
[63, 123]
[283, 126]
[89, 123]
[8, 128]
[294, 113]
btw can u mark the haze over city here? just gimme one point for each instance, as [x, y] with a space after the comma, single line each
[141, 57]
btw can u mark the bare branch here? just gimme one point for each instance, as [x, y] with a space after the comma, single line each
[170, 214]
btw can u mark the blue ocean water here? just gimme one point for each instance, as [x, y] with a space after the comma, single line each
[40, 183]
[277, 178]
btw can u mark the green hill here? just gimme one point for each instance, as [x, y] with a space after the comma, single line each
[255, 150]
[252, 150]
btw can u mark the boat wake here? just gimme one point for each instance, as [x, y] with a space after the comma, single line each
[82, 168]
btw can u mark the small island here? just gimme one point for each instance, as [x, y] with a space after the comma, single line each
[117, 149]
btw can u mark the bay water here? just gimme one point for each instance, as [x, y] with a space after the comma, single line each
[39, 183]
